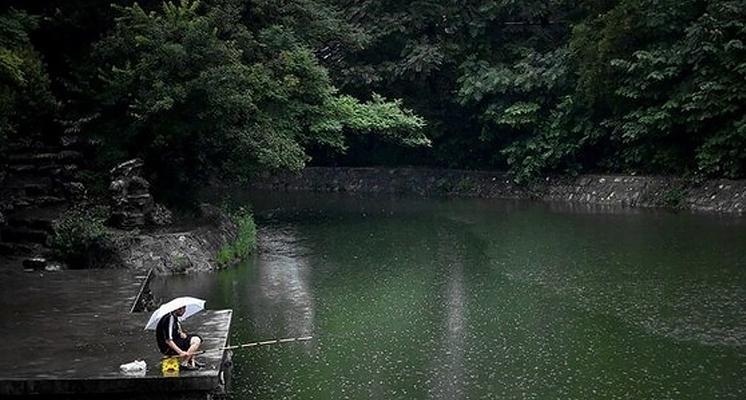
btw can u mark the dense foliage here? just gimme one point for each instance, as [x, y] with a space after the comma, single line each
[626, 85]
[229, 87]
[197, 99]
[667, 81]
[25, 98]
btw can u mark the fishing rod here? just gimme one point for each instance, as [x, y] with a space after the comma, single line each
[267, 342]
[261, 343]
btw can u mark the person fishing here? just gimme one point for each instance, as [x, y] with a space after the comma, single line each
[174, 341]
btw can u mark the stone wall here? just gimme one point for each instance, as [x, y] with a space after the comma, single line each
[192, 250]
[720, 196]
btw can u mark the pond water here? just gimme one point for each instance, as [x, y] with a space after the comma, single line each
[469, 299]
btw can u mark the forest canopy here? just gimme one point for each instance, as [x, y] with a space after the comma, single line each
[232, 87]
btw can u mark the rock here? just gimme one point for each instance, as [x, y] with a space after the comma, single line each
[138, 184]
[70, 140]
[160, 216]
[117, 185]
[128, 169]
[35, 264]
[127, 219]
[131, 198]
[75, 190]
[212, 214]
[140, 200]
[53, 267]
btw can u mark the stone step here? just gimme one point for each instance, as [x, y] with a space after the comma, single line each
[27, 148]
[33, 170]
[20, 182]
[29, 190]
[47, 200]
[24, 203]
[34, 263]
[40, 263]
[36, 218]
[19, 203]
[66, 172]
[17, 249]
[22, 169]
[78, 142]
[127, 219]
[62, 172]
[30, 222]
[37, 189]
[38, 158]
[139, 200]
[23, 235]
[73, 189]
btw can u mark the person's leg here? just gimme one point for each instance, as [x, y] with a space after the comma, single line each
[183, 344]
[194, 343]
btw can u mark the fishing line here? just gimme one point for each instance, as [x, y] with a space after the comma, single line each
[260, 343]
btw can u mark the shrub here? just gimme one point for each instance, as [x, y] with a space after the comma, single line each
[674, 197]
[79, 235]
[465, 185]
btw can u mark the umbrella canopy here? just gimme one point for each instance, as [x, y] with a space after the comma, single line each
[193, 305]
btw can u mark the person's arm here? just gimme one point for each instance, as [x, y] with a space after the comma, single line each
[182, 332]
[179, 352]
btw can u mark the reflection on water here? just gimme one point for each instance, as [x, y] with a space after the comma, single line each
[448, 299]
[449, 378]
[284, 299]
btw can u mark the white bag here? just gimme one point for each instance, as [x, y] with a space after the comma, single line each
[137, 367]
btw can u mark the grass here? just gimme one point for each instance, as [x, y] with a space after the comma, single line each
[245, 239]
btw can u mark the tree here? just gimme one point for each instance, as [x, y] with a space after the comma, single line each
[562, 86]
[535, 87]
[448, 60]
[197, 93]
[678, 86]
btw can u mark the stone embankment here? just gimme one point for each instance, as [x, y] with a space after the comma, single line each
[719, 196]
[174, 252]
[38, 189]
[164, 251]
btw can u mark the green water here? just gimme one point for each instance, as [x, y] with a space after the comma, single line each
[471, 299]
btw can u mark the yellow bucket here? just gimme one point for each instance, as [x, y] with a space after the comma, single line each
[170, 365]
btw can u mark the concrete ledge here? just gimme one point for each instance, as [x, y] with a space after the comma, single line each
[84, 358]
[717, 196]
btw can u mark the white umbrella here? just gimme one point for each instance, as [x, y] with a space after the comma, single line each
[193, 305]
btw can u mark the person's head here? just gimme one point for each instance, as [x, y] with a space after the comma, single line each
[180, 311]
